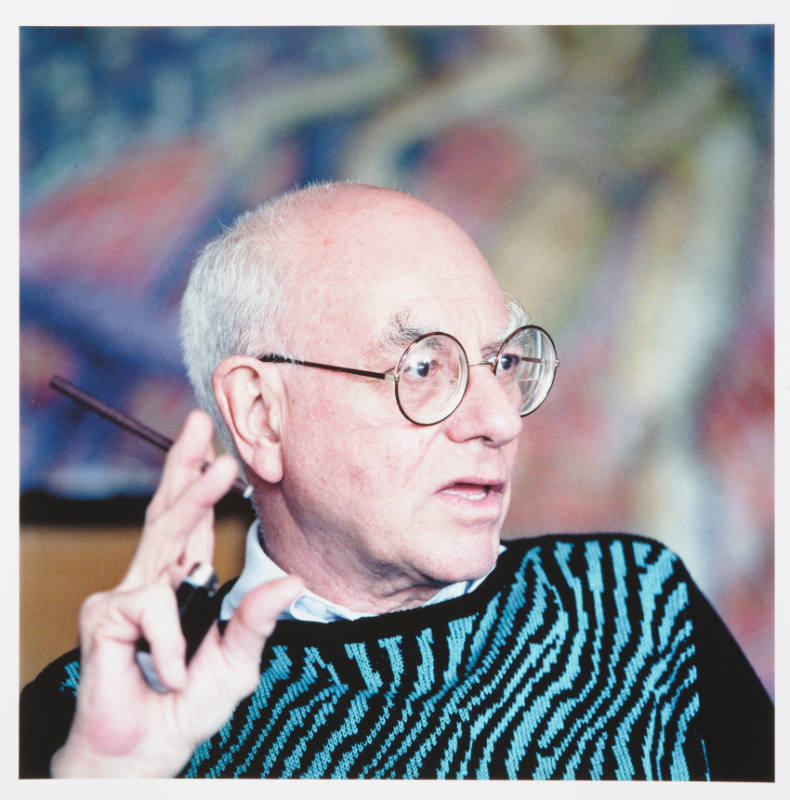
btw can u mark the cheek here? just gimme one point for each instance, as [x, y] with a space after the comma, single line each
[377, 459]
[356, 445]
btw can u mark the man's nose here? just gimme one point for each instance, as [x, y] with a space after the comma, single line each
[486, 411]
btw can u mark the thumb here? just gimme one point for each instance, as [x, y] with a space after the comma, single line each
[226, 668]
[254, 620]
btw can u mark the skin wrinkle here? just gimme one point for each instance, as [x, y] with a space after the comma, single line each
[402, 331]
[338, 555]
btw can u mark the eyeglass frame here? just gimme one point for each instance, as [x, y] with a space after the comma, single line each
[274, 358]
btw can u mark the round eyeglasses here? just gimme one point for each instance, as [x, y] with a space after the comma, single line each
[432, 375]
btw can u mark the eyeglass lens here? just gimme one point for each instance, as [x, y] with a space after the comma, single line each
[432, 378]
[525, 365]
[433, 374]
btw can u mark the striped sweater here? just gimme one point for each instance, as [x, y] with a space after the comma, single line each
[578, 657]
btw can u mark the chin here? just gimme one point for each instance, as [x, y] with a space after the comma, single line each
[464, 560]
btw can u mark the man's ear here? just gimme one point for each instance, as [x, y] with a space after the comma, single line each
[250, 396]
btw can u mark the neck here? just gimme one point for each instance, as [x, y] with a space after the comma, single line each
[336, 580]
[339, 574]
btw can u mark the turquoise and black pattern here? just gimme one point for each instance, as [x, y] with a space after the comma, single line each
[578, 657]
[574, 659]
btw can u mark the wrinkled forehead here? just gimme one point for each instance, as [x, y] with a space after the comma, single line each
[405, 327]
[388, 272]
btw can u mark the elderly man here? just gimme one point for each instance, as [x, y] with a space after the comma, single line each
[363, 365]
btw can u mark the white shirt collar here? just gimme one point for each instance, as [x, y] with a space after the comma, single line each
[309, 607]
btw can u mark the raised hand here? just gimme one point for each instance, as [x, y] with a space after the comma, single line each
[122, 727]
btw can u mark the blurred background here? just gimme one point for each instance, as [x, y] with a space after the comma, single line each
[619, 179]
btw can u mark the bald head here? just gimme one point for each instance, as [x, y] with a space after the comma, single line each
[352, 252]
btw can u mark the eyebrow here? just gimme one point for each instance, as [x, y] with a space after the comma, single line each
[402, 330]
[517, 315]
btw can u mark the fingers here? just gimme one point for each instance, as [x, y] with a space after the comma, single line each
[179, 521]
[191, 449]
[184, 534]
[161, 629]
[121, 726]
[233, 659]
[255, 618]
[111, 623]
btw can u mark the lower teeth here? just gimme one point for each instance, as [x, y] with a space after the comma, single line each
[468, 496]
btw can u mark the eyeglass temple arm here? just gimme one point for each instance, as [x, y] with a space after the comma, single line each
[276, 359]
[489, 362]
[555, 360]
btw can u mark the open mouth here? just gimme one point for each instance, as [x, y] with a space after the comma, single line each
[472, 491]
[468, 491]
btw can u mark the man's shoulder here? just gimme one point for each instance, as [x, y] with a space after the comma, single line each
[586, 552]
[580, 541]
[46, 707]
[62, 673]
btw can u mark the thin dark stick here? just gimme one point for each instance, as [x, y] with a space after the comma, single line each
[122, 420]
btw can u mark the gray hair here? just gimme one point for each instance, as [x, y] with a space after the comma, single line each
[233, 300]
